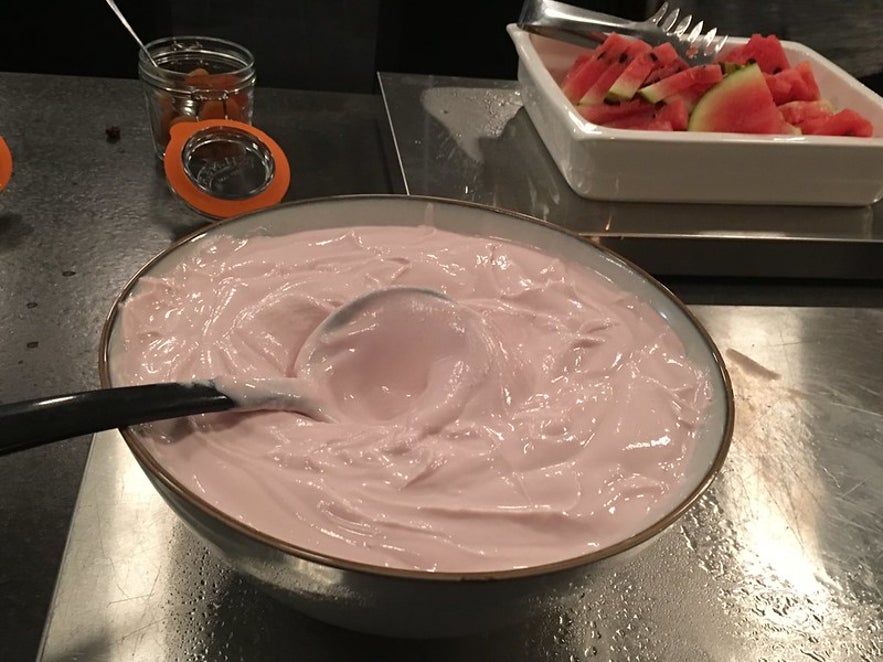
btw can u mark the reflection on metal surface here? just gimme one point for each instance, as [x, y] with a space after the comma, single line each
[779, 561]
[493, 155]
[481, 114]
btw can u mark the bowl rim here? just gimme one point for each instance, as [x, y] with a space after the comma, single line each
[157, 471]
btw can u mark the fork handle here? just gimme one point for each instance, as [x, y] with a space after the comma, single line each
[583, 27]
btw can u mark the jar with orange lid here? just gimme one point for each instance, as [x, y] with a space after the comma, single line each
[194, 78]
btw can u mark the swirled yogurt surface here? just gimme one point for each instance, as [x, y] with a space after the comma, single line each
[537, 413]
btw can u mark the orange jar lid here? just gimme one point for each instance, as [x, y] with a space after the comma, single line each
[5, 164]
[225, 168]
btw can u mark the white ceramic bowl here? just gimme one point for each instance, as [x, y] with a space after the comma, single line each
[405, 602]
[664, 166]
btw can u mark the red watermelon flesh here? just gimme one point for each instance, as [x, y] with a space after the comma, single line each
[640, 68]
[575, 66]
[582, 75]
[741, 103]
[676, 114]
[602, 113]
[794, 84]
[765, 51]
[703, 76]
[642, 123]
[846, 122]
[665, 71]
[599, 89]
[799, 112]
[689, 97]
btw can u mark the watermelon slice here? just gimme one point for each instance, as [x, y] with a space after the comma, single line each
[641, 123]
[640, 68]
[582, 76]
[793, 84]
[703, 77]
[574, 67]
[798, 113]
[602, 113]
[846, 122]
[665, 71]
[676, 114]
[765, 51]
[689, 97]
[599, 89]
[740, 103]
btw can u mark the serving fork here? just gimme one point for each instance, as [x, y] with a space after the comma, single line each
[585, 27]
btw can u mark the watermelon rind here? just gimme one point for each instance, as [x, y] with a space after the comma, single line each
[740, 103]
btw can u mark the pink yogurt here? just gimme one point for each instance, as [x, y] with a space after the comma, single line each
[542, 415]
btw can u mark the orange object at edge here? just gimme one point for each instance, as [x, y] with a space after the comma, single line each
[202, 201]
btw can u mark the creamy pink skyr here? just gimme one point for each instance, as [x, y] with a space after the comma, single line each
[542, 415]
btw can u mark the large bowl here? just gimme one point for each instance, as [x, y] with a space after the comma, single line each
[409, 603]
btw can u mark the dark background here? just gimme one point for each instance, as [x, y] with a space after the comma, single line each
[339, 45]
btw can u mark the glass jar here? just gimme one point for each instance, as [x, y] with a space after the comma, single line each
[195, 78]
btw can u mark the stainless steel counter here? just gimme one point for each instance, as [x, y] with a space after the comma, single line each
[781, 560]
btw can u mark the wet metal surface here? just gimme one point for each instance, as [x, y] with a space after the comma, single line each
[781, 560]
[492, 154]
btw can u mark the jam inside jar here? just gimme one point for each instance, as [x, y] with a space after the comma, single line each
[195, 78]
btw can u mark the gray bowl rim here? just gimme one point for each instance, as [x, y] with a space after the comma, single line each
[148, 462]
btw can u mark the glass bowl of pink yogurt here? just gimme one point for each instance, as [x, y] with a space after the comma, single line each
[594, 414]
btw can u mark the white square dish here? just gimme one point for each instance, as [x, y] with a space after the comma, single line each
[663, 166]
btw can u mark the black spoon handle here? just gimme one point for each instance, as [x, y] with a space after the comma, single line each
[36, 422]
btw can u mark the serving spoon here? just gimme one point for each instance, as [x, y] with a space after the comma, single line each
[32, 423]
[119, 15]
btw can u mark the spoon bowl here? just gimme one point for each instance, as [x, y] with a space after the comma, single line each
[40, 421]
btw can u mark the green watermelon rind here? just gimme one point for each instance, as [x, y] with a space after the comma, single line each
[720, 94]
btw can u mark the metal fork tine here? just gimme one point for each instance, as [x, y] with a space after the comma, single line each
[706, 44]
[660, 13]
[695, 33]
[669, 20]
[681, 27]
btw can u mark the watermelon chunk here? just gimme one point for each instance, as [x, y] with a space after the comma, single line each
[583, 75]
[703, 76]
[665, 71]
[640, 68]
[798, 113]
[641, 123]
[602, 113]
[689, 97]
[765, 51]
[740, 103]
[676, 114]
[599, 89]
[574, 67]
[793, 84]
[846, 122]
